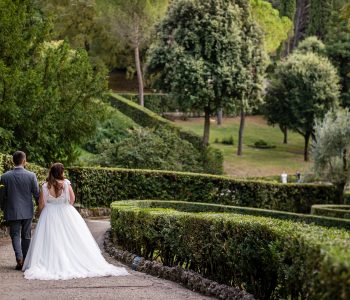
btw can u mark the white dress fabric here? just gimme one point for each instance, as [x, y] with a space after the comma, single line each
[63, 246]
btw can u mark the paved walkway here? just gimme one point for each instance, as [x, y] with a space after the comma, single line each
[136, 286]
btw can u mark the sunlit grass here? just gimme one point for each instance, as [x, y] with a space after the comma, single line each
[254, 162]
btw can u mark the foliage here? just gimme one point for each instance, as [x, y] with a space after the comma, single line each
[147, 118]
[262, 144]
[85, 25]
[48, 92]
[196, 207]
[159, 149]
[272, 259]
[212, 159]
[158, 103]
[331, 150]
[286, 7]
[275, 28]
[303, 88]
[312, 44]
[112, 129]
[335, 211]
[320, 12]
[94, 187]
[338, 50]
[206, 54]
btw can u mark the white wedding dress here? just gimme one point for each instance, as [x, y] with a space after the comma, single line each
[63, 246]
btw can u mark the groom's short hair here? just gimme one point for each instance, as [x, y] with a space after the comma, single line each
[18, 157]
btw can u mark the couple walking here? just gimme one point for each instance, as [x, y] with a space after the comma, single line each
[62, 246]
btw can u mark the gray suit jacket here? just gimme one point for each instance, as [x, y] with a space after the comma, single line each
[16, 195]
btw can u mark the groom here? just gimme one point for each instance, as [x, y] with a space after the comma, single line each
[16, 201]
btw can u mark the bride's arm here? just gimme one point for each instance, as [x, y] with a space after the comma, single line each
[41, 201]
[71, 195]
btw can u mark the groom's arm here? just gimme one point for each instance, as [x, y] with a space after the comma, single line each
[35, 189]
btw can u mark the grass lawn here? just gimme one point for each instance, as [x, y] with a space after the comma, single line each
[254, 162]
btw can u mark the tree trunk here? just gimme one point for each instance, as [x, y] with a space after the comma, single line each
[206, 127]
[340, 186]
[139, 76]
[240, 133]
[219, 117]
[284, 129]
[306, 146]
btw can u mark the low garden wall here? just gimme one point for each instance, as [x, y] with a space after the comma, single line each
[270, 258]
[96, 187]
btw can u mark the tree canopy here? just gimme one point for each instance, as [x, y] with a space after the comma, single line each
[207, 54]
[49, 93]
[303, 88]
[331, 149]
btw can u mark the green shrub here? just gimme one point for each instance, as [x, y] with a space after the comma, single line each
[270, 258]
[113, 129]
[159, 149]
[261, 144]
[146, 118]
[98, 186]
[336, 211]
[228, 140]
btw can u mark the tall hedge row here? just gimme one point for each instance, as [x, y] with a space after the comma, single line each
[99, 186]
[147, 118]
[212, 158]
[270, 258]
[158, 103]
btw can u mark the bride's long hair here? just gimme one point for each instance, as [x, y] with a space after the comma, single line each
[56, 174]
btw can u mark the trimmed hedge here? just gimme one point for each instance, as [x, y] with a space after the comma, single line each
[270, 258]
[336, 211]
[159, 103]
[97, 187]
[208, 207]
[147, 118]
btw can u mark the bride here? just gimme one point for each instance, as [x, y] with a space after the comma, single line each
[62, 246]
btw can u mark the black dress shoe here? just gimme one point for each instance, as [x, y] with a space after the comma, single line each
[19, 264]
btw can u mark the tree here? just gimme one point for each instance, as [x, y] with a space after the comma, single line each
[331, 150]
[48, 92]
[338, 50]
[303, 88]
[133, 22]
[312, 44]
[208, 56]
[274, 27]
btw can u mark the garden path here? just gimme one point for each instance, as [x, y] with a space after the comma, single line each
[136, 286]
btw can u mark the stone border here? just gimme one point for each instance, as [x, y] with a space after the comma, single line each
[189, 279]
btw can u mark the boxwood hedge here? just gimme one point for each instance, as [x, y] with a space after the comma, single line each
[147, 118]
[99, 186]
[336, 211]
[270, 258]
[208, 207]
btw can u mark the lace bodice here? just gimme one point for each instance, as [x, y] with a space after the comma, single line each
[61, 199]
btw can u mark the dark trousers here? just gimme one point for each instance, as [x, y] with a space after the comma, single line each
[20, 232]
